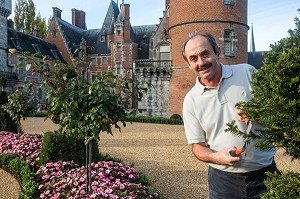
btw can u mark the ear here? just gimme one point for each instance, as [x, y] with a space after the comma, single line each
[219, 53]
[188, 65]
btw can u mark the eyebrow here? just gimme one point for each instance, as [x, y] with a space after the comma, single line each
[206, 51]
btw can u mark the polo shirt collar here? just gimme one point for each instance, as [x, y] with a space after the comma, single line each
[226, 73]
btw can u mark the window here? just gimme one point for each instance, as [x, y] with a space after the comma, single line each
[104, 60]
[21, 70]
[54, 53]
[94, 76]
[17, 43]
[229, 43]
[118, 30]
[229, 2]
[37, 48]
[164, 53]
[94, 61]
[40, 95]
[118, 47]
[119, 69]
[21, 65]
[53, 33]
[10, 69]
[103, 37]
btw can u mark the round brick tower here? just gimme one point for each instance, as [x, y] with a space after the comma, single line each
[225, 19]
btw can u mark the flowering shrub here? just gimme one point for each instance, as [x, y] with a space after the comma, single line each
[68, 180]
[109, 180]
[25, 146]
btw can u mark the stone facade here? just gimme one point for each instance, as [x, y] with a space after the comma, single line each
[5, 11]
[157, 76]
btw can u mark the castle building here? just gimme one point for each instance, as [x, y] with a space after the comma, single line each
[152, 53]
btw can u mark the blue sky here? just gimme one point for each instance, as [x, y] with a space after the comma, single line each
[271, 19]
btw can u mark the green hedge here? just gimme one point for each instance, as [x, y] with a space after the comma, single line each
[174, 119]
[57, 146]
[159, 120]
[282, 186]
[6, 122]
[21, 170]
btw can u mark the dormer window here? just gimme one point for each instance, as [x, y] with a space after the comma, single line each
[103, 37]
[17, 43]
[53, 33]
[145, 39]
[118, 30]
[55, 54]
[229, 2]
[37, 48]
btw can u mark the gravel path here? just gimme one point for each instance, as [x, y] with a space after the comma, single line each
[159, 151]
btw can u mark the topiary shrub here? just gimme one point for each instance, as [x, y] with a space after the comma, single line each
[285, 186]
[6, 122]
[58, 146]
[176, 117]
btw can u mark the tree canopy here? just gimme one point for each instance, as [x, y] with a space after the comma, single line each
[26, 19]
[276, 91]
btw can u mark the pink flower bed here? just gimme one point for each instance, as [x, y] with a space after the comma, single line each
[25, 146]
[68, 180]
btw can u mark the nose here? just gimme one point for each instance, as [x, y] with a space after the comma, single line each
[200, 62]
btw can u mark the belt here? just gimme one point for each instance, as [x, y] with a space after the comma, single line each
[251, 173]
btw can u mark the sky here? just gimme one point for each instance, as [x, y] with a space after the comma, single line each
[271, 19]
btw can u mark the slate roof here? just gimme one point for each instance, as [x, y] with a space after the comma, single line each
[142, 38]
[256, 59]
[73, 35]
[27, 42]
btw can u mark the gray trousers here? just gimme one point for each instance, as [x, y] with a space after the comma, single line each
[225, 185]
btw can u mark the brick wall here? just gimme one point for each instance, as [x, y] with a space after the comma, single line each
[59, 41]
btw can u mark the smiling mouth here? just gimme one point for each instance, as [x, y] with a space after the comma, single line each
[205, 67]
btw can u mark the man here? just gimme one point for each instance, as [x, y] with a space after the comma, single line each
[207, 109]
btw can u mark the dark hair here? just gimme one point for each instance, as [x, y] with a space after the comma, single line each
[210, 38]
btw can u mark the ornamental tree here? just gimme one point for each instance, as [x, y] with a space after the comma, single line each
[86, 108]
[20, 105]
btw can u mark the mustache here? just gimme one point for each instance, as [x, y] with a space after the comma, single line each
[204, 67]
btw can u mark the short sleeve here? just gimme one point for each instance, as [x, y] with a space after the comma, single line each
[193, 129]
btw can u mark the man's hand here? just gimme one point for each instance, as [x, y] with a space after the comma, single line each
[223, 157]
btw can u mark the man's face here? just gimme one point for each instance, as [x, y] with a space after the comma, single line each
[203, 60]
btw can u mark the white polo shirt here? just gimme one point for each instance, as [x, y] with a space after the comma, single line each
[206, 112]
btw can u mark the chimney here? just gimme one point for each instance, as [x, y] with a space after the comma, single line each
[78, 18]
[56, 12]
[10, 23]
[125, 9]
